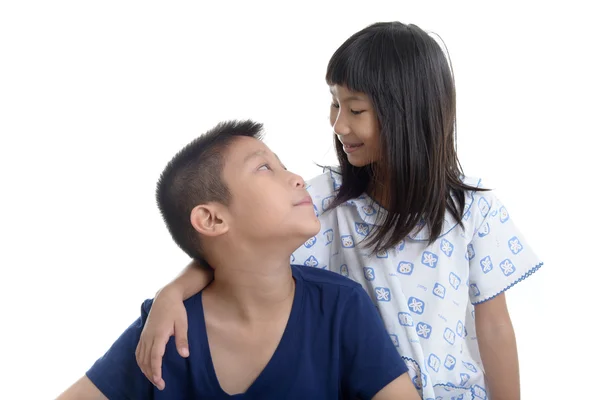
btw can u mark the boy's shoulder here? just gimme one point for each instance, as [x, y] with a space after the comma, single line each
[321, 277]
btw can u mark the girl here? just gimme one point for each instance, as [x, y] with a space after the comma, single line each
[433, 248]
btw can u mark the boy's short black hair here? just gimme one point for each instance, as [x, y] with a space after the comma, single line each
[194, 176]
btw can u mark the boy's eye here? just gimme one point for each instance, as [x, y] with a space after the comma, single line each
[264, 167]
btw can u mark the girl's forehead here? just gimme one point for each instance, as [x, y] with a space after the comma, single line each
[342, 92]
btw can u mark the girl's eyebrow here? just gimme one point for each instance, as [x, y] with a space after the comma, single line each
[349, 98]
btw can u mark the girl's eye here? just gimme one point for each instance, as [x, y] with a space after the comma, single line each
[335, 105]
[264, 167]
[354, 112]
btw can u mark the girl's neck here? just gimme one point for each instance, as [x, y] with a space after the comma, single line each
[379, 191]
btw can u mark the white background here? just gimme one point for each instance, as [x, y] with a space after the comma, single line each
[95, 98]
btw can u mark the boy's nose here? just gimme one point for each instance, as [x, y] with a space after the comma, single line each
[297, 180]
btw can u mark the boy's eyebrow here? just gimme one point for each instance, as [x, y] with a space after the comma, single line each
[256, 153]
[260, 153]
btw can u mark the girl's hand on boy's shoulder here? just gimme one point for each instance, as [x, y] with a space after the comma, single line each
[166, 318]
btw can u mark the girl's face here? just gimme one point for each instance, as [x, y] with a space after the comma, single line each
[355, 124]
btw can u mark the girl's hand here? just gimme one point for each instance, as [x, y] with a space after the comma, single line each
[167, 318]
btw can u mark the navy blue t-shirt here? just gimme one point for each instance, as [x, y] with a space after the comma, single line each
[334, 346]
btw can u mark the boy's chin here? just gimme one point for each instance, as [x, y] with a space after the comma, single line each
[307, 232]
[313, 228]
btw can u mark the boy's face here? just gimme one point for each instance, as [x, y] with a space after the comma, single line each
[267, 202]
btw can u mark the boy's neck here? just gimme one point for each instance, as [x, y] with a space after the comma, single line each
[251, 288]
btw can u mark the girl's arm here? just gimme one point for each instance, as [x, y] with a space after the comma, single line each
[167, 318]
[498, 349]
[194, 277]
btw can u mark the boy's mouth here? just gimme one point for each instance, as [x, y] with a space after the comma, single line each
[305, 201]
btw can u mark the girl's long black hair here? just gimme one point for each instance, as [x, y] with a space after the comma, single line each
[409, 81]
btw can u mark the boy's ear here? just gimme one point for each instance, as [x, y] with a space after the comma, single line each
[207, 219]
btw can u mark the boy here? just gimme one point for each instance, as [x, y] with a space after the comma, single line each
[262, 329]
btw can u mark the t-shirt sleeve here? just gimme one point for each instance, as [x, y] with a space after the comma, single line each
[499, 256]
[369, 359]
[116, 374]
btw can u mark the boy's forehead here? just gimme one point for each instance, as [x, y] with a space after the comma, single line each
[244, 149]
